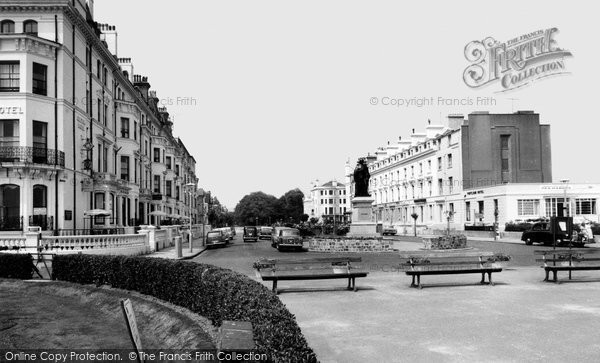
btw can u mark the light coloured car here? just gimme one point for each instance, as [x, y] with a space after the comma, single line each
[216, 238]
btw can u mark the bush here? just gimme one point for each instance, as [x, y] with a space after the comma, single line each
[213, 292]
[518, 227]
[596, 229]
[16, 266]
[479, 228]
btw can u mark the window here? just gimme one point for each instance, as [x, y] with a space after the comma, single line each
[146, 147]
[331, 192]
[9, 76]
[124, 127]
[98, 68]
[39, 196]
[528, 207]
[450, 184]
[585, 206]
[168, 162]
[105, 78]
[105, 159]
[428, 165]
[135, 130]
[157, 184]
[40, 84]
[7, 27]
[468, 211]
[156, 155]
[440, 186]
[449, 161]
[177, 172]
[451, 212]
[168, 188]
[99, 157]
[439, 163]
[125, 168]
[30, 27]
[505, 157]
[106, 114]
[9, 133]
[99, 110]
[40, 142]
[177, 192]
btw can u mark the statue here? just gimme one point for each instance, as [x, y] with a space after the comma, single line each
[361, 179]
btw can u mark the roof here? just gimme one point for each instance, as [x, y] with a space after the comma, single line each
[329, 184]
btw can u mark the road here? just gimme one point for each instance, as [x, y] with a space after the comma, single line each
[239, 256]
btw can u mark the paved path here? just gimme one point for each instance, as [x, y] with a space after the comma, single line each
[453, 319]
[171, 253]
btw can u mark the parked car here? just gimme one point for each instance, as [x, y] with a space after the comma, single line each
[542, 233]
[250, 234]
[285, 238]
[389, 231]
[216, 238]
[226, 231]
[265, 232]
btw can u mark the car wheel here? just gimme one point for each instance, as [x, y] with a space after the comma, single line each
[528, 242]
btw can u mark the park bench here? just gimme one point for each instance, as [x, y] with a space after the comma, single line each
[309, 269]
[421, 263]
[575, 259]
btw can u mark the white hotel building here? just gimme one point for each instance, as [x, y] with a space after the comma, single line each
[79, 130]
[475, 171]
[328, 201]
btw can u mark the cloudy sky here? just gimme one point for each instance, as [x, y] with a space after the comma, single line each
[282, 90]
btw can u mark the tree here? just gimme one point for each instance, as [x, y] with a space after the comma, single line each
[414, 217]
[218, 215]
[304, 217]
[292, 205]
[257, 207]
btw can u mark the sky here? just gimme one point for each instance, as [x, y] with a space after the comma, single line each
[280, 93]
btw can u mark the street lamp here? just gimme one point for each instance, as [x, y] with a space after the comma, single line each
[201, 194]
[565, 207]
[190, 185]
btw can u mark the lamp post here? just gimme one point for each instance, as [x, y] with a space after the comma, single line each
[565, 206]
[201, 194]
[190, 185]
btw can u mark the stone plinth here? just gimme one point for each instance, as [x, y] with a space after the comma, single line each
[362, 218]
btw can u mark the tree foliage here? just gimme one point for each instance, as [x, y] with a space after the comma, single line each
[265, 209]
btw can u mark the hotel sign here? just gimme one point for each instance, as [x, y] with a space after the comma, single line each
[11, 110]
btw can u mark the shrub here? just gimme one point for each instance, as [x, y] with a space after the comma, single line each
[479, 228]
[596, 229]
[213, 292]
[16, 266]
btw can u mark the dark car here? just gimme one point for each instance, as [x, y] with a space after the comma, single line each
[265, 232]
[287, 238]
[542, 233]
[250, 234]
[216, 238]
[389, 231]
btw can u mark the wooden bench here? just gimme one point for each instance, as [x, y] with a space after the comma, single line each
[575, 259]
[421, 263]
[310, 269]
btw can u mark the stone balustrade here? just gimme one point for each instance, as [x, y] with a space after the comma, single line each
[133, 243]
[12, 243]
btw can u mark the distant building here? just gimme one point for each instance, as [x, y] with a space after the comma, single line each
[480, 170]
[328, 201]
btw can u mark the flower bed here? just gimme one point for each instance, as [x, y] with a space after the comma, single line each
[16, 266]
[213, 292]
[451, 242]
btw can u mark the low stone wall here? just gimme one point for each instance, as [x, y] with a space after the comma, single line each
[451, 242]
[342, 244]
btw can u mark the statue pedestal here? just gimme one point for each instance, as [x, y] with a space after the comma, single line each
[362, 218]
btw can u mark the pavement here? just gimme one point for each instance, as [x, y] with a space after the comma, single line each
[452, 319]
[171, 253]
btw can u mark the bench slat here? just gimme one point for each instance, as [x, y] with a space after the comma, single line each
[443, 263]
[454, 272]
[450, 254]
[271, 277]
[309, 260]
[583, 251]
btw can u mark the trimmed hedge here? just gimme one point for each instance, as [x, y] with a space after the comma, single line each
[479, 228]
[518, 227]
[213, 292]
[16, 266]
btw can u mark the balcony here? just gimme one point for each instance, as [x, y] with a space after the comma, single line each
[32, 155]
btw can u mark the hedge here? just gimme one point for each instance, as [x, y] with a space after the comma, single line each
[518, 227]
[16, 266]
[213, 292]
[479, 228]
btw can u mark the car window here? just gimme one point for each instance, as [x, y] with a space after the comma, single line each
[213, 234]
[289, 232]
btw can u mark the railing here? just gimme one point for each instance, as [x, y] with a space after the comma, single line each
[44, 222]
[12, 243]
[11, 223]
[91, 232]
[79, 243]
[34, 155]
